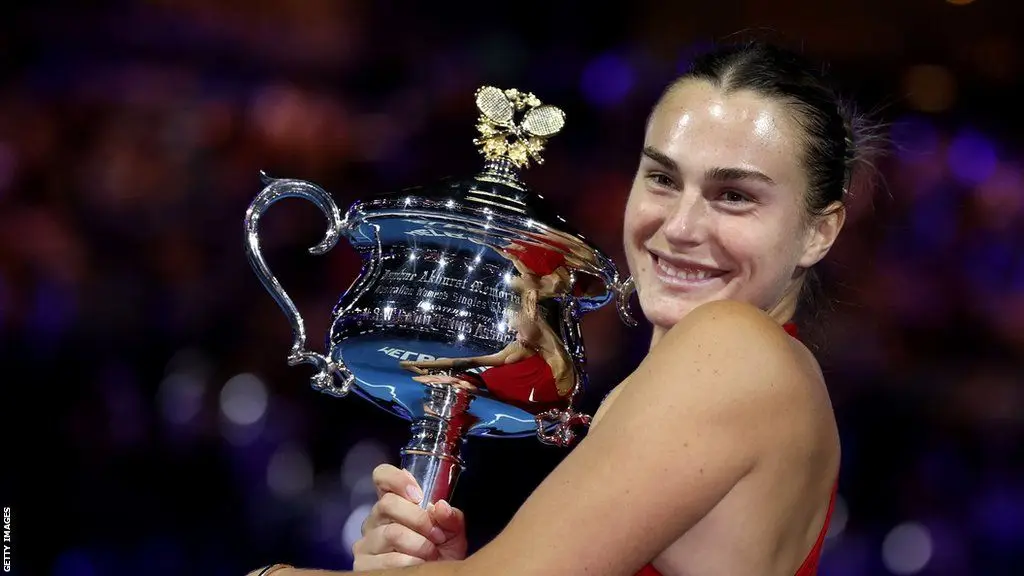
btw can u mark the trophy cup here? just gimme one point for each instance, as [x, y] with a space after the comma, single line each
[465, 317]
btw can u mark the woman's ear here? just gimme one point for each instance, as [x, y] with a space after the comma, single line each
[822, 234]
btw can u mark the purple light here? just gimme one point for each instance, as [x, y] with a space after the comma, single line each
[934, 220]
[999, 516]
[914, 138]
[607, 80]
[972, 158]
[54, 311]
[988, 262]
[1017, 283]
[849, 556]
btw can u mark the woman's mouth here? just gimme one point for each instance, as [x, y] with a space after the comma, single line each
[684, 273]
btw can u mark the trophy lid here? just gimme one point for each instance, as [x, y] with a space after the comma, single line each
[495, 206]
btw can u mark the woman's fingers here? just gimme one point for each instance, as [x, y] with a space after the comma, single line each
[388, 478]
[384, 561]
[394, 538]
[392, 509]
[450, 520]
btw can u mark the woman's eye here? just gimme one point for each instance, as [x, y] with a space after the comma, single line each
[660, 179]
[734, 197]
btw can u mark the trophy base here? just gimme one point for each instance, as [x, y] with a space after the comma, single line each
[432, 454]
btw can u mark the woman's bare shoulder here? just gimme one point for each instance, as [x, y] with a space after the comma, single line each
[728, 319]
[750, 353]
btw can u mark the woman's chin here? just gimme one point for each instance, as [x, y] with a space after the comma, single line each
[666, 316]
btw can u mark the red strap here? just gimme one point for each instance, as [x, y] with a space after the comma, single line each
[810, 565]
[648, 570]
[792, 330]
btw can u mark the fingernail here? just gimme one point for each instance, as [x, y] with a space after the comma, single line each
[443, 507]
[414, 493]
[436, 535]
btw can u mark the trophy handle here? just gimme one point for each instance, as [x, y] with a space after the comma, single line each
[562, 422]
[623, 292]
[563, 433]
[278, 189]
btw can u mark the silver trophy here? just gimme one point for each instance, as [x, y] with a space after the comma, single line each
[465, 317]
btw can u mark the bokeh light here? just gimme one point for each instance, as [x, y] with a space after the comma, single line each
[607, 80]
[972, 157]
[930, 88]
[352, 530]
[907, 548]
[361, 459]
[181, 396]
[243, 399]
[290, 472]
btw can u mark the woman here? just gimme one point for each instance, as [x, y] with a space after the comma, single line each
[719, 454]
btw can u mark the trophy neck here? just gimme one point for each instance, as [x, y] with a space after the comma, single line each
[432, 454]
[502, 171]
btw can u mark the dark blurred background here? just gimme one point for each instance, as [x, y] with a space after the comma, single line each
[150, 422]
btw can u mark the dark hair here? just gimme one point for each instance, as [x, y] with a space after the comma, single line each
[833, 145]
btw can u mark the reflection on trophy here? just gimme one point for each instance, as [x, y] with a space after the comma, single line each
[534, 371]
[465, 317]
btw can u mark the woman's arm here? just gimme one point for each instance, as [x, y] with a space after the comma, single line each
[706, 405]
[510, 353]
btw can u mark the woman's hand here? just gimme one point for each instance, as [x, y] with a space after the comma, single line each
[425, 366]
[442, 379]
[400, 533]
[414, 367]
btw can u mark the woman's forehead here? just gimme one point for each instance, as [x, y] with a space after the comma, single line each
[697, 120]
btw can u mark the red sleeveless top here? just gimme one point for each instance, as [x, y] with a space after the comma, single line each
[528, 384]
[810, 563]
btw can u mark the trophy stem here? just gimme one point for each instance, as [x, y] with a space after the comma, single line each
[432, 454]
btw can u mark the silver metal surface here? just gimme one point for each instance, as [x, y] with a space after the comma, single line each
[275, 190]
[465, 317]
[432, 454]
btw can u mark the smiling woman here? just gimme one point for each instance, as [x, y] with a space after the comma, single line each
[716, 209]
[719, 454]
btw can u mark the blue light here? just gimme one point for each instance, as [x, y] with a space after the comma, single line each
[74, 563]
[988, 263]
[934, 220]
[607, 80]
[999, 516]
[53, 310]
[972, 158]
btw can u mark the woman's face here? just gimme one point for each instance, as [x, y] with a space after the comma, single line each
[716, 210]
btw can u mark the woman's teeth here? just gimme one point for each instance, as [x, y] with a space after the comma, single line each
[688, 274]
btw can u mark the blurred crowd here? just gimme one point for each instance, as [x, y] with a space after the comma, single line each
[159, 429]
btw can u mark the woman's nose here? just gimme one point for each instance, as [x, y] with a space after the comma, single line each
[687, 223]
